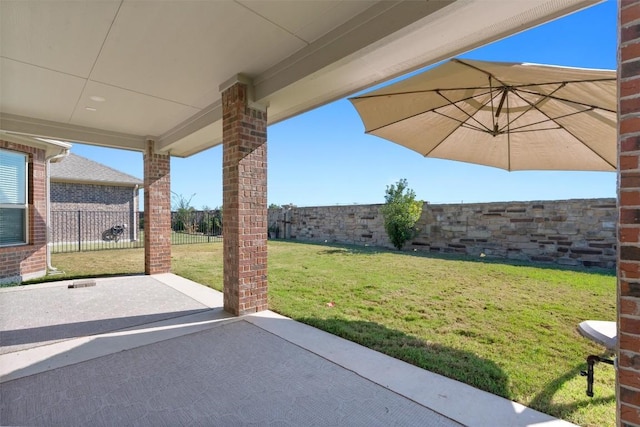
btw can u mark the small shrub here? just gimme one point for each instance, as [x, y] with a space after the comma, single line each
[401, 212]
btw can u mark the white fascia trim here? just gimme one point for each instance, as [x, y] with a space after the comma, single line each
[55, 142]
[64, 131]
[53, 148]
[210, 114]
[105, 183]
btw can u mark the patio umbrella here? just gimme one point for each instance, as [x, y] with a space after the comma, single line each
[512, 116]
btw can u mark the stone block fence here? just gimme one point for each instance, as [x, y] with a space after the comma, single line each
[579, 232]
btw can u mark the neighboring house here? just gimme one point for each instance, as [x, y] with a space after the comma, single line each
[77, 185]
[88, 198]
[23, 205]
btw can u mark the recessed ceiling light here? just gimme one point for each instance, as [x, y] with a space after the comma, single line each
[90, 109]
[97, 98]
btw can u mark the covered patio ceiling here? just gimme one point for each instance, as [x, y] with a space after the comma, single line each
[118, 72]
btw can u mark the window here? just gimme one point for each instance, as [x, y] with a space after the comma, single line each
[13, 198]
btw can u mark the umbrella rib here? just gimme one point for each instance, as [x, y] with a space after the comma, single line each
[433, 109]
[604, 79]
[515, 86]
[532, 105]
[413, 92]
[533, 130]
[549, 96]
[554, 120]
[462, 123]
[551, 119]
[557, 98]
[571, 133]
[491, 75]
[469, 116]
[593, 151]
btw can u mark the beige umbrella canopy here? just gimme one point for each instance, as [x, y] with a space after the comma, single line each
[511, 116]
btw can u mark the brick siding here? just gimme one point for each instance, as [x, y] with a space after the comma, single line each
[100, 207]
[67, 196]
[28, 261]
[628, 384]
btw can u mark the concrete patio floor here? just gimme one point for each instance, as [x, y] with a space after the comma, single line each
[159, 350]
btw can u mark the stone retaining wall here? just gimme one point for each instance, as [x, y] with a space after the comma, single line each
[579, 232]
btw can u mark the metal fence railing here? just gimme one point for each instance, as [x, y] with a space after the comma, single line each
[74, 231]
[191, 226]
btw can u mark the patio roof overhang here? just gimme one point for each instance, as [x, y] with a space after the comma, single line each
[53, 150]
[117, 73]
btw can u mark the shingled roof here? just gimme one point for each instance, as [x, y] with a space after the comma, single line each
[74, 168]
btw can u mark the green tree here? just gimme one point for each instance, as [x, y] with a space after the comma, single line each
[401, 212]
[209, 220]
[217, 220]
[183, 213]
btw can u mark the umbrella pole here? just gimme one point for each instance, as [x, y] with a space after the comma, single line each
[591, 361]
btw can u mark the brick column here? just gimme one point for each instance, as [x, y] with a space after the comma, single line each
[244, 163]
[628, 380]
[157, 212]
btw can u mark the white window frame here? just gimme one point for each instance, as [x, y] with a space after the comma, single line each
[25, 205]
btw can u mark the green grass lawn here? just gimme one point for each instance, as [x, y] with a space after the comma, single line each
[507, 329]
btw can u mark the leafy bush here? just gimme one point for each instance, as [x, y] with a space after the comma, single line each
[401, 212]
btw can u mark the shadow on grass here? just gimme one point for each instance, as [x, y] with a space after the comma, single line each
[460, 365]
[347, 249]
[543, 401]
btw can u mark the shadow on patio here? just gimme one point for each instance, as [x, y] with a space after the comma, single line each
[204, 367]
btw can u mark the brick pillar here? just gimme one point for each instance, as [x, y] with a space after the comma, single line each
[244, 164]
[157, 212]
[628, 380]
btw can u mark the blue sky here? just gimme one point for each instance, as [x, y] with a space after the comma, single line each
[324, 158]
